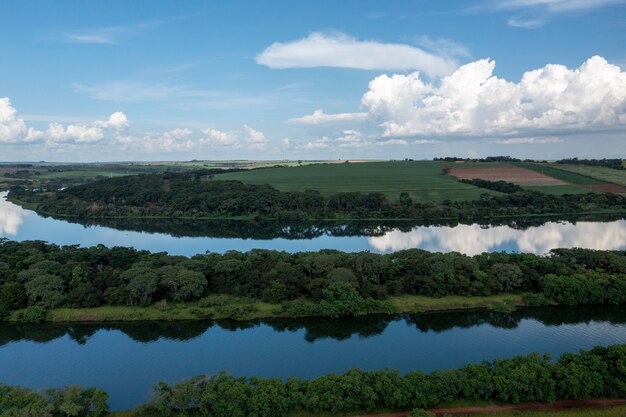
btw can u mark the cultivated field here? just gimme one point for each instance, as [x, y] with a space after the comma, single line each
[516, 175]
[423, 180]
[600, 173]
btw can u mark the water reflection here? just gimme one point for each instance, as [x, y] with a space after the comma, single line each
[474, 239]
[190, 237]
[314, 329]
[125, 359]
[11, 217]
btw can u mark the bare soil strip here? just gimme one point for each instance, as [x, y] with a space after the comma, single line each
[557, 405]
[608, 188]
[516, 175]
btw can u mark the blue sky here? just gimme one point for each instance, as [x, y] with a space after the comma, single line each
[118, 80]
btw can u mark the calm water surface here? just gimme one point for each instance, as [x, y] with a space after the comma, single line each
[126, 359]
[193, 237]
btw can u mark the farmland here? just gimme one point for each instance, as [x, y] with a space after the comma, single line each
[423, 180]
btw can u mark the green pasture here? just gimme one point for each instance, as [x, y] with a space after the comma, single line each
[423, 180]
[614, 176]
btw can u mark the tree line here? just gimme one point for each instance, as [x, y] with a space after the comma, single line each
[501, 186]
[41, 276]
[614, 163]
[596, 373]
[198, 195]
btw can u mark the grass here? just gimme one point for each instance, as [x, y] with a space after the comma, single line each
[423, 180]
[236, 308]
[418, 303]
[570, 177]
[614, 176]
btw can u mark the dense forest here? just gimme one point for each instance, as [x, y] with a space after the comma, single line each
[616, 163]
[40, 276]
[597, 373]
[198, 195]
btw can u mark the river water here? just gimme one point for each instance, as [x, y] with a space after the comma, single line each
[193, 236]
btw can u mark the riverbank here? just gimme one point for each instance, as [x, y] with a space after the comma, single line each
[243, 309]
[338, 218]
[582, 408]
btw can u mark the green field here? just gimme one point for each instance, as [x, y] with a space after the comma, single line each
[554, 171]
[423, 180]
[614, 176]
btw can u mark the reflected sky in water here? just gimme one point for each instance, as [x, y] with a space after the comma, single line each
[19, 224]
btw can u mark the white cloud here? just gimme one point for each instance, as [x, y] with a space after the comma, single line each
[247, 137]
[518, 141]
[392, 142]
[319, 117]
[472, 101]
[558, 5]
[342, 51]
[255, 139]
[443, 47]
[425, 142]
[12, 128]
[117, 120]
[525, 23]
[321, 143]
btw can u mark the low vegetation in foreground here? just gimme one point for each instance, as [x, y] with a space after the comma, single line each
[597, 373]
[41, 281]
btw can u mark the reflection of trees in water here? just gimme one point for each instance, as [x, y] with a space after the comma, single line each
[271, 229]
[315, 328]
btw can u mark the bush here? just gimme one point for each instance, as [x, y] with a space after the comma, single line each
[33, 314]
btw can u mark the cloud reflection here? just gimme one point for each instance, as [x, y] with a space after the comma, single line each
[474, 239]
[11, 217]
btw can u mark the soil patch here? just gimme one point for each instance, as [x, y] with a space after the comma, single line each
[608, 188]
[516, 175]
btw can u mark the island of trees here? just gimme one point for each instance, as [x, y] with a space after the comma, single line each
[597, 373]
[36, 276]
[199, 195]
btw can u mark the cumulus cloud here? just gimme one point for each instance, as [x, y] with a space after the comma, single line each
[321, 143]
[473, 101]
[425, 142]
[14, 130]
[342, 51]
[319, 117]
[247, 137]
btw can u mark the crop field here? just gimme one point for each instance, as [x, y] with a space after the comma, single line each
[516, 175]
[423, 180]
[591, 179]
[599, 173]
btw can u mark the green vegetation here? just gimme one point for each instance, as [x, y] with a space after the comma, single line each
[557, 172]
[63, 402]
[500, 186]
[615, 163]
[599, 173]
[198, 195]
[597, 373]
[118, 283]
[423, 181]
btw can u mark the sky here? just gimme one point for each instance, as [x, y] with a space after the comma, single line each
[350, 79]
